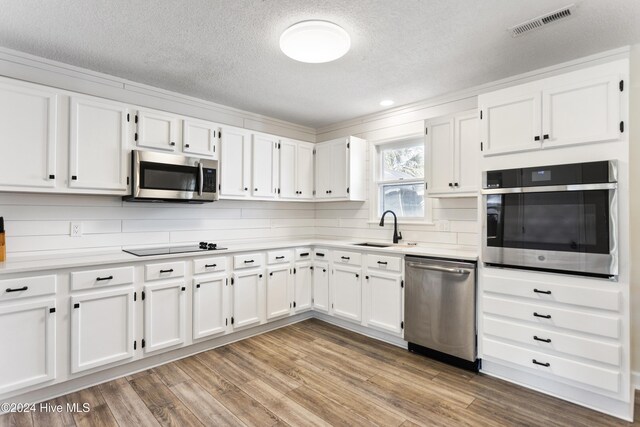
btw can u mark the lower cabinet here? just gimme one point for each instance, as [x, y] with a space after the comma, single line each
[302, 278]
[101, 328]
[27, 331]
[164, 316]
[277, 288]
[347, 292]
[320, 300]
[384, 309]
[209, 306]
[246, 298]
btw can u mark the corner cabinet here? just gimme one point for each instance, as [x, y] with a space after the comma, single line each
[579, 107]
[340, 169]
[453, 145]
[296, 170]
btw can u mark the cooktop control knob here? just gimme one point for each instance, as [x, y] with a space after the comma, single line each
[212, 246]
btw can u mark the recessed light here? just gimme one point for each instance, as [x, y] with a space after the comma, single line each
[315, 41]
[386, 103]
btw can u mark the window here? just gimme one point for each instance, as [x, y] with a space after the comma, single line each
[400, 178]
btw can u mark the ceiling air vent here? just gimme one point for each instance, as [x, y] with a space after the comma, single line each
[541, 21]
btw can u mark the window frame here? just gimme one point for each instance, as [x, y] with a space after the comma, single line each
[377, 183]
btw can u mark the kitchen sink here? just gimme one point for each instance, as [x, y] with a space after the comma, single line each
[372, 245]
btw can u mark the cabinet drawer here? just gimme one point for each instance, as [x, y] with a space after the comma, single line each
[607, 379]
[209, 265]
[25, 287]
[549, 341]
[606, 326]
[345, 257]
[382, 262]
[606, 299]
[100, 278]
[303, 254]
[164, 270]
[279, 257]
[247, 261]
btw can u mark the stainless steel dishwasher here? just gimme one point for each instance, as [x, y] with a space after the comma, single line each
[440, 310]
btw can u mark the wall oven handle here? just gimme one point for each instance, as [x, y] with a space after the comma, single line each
[201, 176]
[552, 188]
[437, 268]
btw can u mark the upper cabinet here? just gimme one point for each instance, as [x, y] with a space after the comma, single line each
[29, 130]
[340, 169]
[453, 145]
[583, 106]
[200, 138]
[296, 169]
[157, 130]
[235, 162]
[264, 165]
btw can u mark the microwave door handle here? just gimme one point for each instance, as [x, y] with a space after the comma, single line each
[201, 175]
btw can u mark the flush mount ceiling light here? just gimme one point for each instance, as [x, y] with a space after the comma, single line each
[386, 103]
[315, 41]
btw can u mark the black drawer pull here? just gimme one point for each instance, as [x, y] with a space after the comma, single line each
[544, 316]
[210, 265]
[166, 271]
[547, 340]
[382, 262]
[345, 258]
[304, 254]
[248, 261]
[280, 257]
[538, 291]
[319, 254]
[24, 288]
[99, 279]
[546, 365]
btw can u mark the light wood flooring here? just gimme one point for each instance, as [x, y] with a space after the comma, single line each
[309, 374]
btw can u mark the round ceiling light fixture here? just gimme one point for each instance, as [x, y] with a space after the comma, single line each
[386, 103]
[315, 41]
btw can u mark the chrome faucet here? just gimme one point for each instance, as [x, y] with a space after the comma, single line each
[396, 235]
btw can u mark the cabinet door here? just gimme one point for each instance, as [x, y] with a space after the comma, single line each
[209, 306]
[347, 293]
[27, 332]
[199, 137]
[587, 111]
[246, 298]
[304, 170]
[467, 153]
[321, 287]
[278, 298]
[288, 187]
[157, 130]
[385, 302]
[164, 316]
[101, 328]
[302, 286]
[97, 140]
[234, 162]
[264, 166]
[511, 120]
[339, 169]
[28, 129]
[440, 141]
[324, 171]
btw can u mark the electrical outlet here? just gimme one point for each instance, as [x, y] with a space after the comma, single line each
[443, 225]
[76, 229]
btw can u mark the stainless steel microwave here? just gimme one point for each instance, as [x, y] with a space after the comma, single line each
[559, 218]
[160, 177]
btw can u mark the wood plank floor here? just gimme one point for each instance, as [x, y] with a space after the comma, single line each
[311, 374]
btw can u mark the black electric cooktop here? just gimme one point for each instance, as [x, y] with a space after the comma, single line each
[165, 250]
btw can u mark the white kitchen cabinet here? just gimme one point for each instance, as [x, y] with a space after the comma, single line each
[264, 166]
[277, 291]
[454, 154]
[97, 145]
[158, 130]
[27, 331]
[29, 133]
[247, 298]
[102, 325]
[346, 286]
[235, 162]
[296, 169]
[210, 306]
[164, 315]
[305, 170]
[200, 138]
[384, 295]
[302, 285]
[340, 169]
[321, 286]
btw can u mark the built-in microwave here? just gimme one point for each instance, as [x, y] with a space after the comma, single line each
[560, 218]
[160, 177]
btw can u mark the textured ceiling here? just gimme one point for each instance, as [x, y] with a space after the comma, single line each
[226, 51]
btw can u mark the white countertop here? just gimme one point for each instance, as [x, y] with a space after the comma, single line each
[80, 259]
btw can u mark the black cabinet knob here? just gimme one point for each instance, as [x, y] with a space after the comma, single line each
[546, 136]
[245, 189]
[172, 143]
[536, 138]
[186, 145]
[255, 189]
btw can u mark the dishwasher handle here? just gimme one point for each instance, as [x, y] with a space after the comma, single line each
[438, 268]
